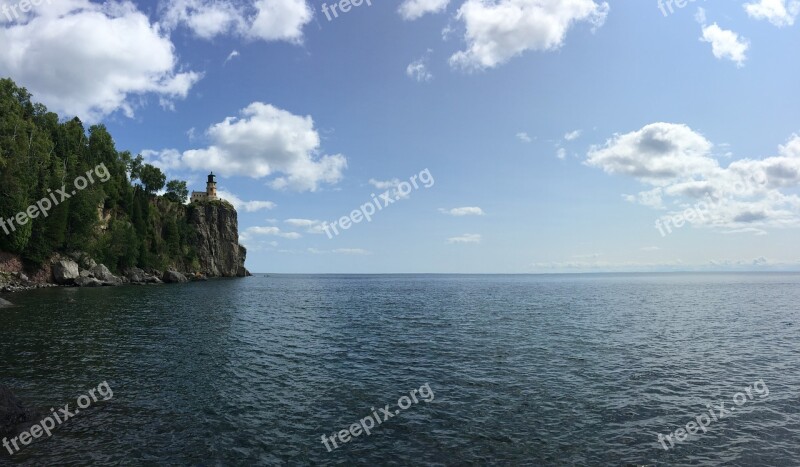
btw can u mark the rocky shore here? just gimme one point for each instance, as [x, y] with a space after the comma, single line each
[79, 270]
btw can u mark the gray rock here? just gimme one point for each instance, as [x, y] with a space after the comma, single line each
[88, 282]
[21, 276]
[5, 303]
[135, 275]
[65, 272]
[101, 272]
[174, 277]
[85, 273]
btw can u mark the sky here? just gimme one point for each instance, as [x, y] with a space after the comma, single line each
[449, 136]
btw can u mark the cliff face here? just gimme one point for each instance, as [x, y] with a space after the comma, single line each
[217, 240]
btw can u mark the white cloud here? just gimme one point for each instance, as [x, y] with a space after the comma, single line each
[678, 162]
[268, 20]
[232, 55]
[312, 226]
[247, 206]
[465, 239]
[418, 70]
[522, 136]
[573, 135]
[657, 152]
[500, 30]
[650, 198]
[61, 52]
[389, 185]
[205, 18]
[465, 211]
[414, 9]
[270, 231]
[280, 20]
[726, 44]
[262, 141]
[561, 153]
[778, 12]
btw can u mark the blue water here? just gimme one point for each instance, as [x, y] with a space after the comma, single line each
[524, 370]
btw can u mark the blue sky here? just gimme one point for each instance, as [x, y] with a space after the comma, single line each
[557, 132]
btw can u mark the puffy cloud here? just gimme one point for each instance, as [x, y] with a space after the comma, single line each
[269, 20]
[679, 163]
[465, 211]
[726, 44]
[657, 153]
[497, 31]
[414, 9]
[778, 12]
[465, 239]
[280, 20]
[90, 60]
[205, 18]
[262, 141]
[573, 135]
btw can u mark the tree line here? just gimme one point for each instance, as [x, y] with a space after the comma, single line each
[121, 222]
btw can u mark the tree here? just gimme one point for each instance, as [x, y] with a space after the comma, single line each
[177, 191]
[152, 178]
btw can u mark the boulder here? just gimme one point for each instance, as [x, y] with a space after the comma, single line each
[13, 414]
[174, 277]
[85, 273]
[5, 303]
[21, 276]
[135, 275]
[101, 272]
[88, 282]
[65, 272]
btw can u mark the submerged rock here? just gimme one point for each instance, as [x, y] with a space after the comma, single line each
[65, 272]
[5, 303]
[13, 414]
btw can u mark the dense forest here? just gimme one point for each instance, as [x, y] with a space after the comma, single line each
[120, 222]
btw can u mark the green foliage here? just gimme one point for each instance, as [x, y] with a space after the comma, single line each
[177, 191]
[152, 178]
[118, 223]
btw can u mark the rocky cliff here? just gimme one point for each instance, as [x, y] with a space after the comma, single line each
[217, 239]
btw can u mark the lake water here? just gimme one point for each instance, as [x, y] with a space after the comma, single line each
[522, 370]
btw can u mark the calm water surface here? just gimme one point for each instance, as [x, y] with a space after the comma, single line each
[526, 370]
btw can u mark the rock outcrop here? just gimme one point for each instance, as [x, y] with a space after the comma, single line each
[217, 239]
[174, 277]
[65, 272]
[102, 273]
